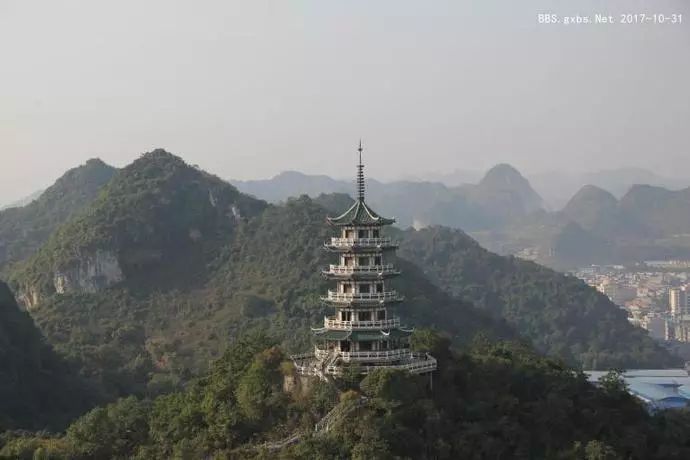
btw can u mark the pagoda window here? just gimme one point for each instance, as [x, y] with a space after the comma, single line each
[349, 261]
[345, 315]
[344, 345]
[364, 288]
[379, 287]
[347, 288]
[362, 234]
[349, 234]
[384, 345]
[381, 315]
[364, 316]
[363, 261]
[364, 346]
[377, 260]
[376, 233]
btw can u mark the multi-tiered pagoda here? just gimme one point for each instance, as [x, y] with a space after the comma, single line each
[363, 332]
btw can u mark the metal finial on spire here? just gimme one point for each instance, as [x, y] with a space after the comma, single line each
[360, 174]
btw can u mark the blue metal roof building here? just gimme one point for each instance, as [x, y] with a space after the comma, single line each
[658, 388]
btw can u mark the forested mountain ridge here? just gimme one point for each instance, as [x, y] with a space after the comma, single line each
[560, 314]
[24, 229]
[37, 389]
[148, 284]
[155, 213]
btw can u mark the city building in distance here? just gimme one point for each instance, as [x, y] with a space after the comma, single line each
[363, 335]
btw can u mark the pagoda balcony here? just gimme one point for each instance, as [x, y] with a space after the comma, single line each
[373, 356]
[346, 244]
[362, 271]
[364, 298]
[418, 363]
[332, 323]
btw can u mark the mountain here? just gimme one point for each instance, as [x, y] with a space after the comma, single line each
[557, 187]
[560, 314]
[23, 230]
[647, 223]
[156, 217]
[501, 196]
[37, 389]
[149, 283]
[291, 184]
[505, 194]
[23, 202]
[453, 178]
[590, 205]
[664, 212]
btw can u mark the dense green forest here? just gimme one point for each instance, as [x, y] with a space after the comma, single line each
[560, 314]
[266, 277]
[23, 230]
[37, 388]
[492, 400]
[202, 262]
[202, 265]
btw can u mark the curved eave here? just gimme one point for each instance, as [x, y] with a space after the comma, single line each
[359, 214]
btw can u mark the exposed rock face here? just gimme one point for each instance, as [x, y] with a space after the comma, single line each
[91, 274]
[29, 298]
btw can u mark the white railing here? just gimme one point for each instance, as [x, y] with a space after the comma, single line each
[419, 363]
[387, 355]
[361, 270]
[360, 242]
[389, 296]
[333, 323]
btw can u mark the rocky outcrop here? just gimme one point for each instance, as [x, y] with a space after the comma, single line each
[28, 298]
[90, 274]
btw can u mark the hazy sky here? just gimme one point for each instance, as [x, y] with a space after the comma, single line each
[247, 89]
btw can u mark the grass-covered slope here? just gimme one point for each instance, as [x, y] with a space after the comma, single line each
[37, 390]
[560, 314]
[25, 229]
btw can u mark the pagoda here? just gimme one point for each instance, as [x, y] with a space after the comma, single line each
[363, 333]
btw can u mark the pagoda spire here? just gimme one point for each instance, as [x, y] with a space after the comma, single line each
[360, 174]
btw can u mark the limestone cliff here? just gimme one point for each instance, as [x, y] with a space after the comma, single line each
[90, 274]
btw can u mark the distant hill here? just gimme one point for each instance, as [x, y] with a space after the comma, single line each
[505, 194]
[501, 196]
[647, 223]
[23, 230]
[557, 187]
[37, 389]
[22, 202]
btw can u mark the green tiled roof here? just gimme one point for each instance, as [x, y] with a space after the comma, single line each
[359, 214]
